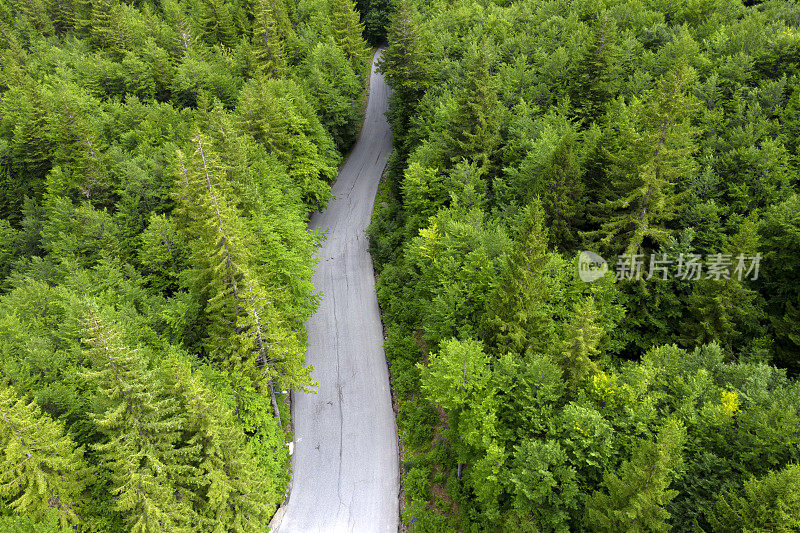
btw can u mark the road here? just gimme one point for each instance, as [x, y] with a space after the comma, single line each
[345, 465]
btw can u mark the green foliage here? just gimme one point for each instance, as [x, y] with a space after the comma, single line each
[142, 425]
[335, 86]
[636, 497]
[149, 322]
[269, 48]
[767, 504]
[544, 484]
[525, 133]
[347, 32]
[42, 473]
[277, 114]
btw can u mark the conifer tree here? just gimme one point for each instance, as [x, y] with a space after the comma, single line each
[31, 150]
[268, 45]
[771, 503]
[348, 32]
[63, 13]
[655, 159]
[216, 22]
[104, 32]
[596, 78]
[582, 335]
[142, 425]
[406, 67]
[229, 486]
[474, 131]
[517, 315]
[724, 310]
[636, 497]
[41, 470]
[244, 331]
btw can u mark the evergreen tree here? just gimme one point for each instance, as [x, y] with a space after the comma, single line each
[582, 335]
[216, 22]
[771, 503]
[517, 312]
[348, 32]
[268, 45]
[228, 487]
[655, 159]
[142, 425]
[597, 74]
[104, 32]
[25, 112]
[474, 130]
[545, 485]
[725, 310]
[406, 67]
[41, 470]
[636, 497]
[244, 332]
[780, 233]
[336, 88]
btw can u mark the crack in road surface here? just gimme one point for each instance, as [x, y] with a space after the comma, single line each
[345, 435]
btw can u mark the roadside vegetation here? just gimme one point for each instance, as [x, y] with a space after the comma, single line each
[158, 162]
[528, 131]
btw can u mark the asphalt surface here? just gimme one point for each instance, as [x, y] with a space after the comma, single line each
[345, 464]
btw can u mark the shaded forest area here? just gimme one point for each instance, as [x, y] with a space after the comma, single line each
[527, 131]
[158, 162]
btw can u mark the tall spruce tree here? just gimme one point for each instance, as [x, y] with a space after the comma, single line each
[41, 469]
[517, 315]
[348, 32]
[582, 335]
[228, 488]
[634, 499]
[142, 424]
[244, 331]
[406, 67]
[655, 158]
[268, 46]
[473, 133]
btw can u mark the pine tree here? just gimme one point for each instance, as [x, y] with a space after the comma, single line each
[31, 147]
[104, 32]
[348, 32]
[517, 315]
[268, 45]
[62, 13]
[406, 67]
[216, 22]
[142, 424]
[78, 151]
[41, 470]
[229, 486]
[656, 157]
[596, 78]
[771, 503]
[473, 133]
[636, 498]
[244, 331]
[581, 338]
[725, 310]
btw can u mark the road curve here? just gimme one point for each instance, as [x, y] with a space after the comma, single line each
[345, 466]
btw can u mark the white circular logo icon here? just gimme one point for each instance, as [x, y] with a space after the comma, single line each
[591, 266]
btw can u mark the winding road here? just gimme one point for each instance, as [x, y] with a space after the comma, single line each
[345, 464]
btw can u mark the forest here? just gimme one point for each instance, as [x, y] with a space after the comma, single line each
[662, 137]
[159, 160]
[586, 244]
